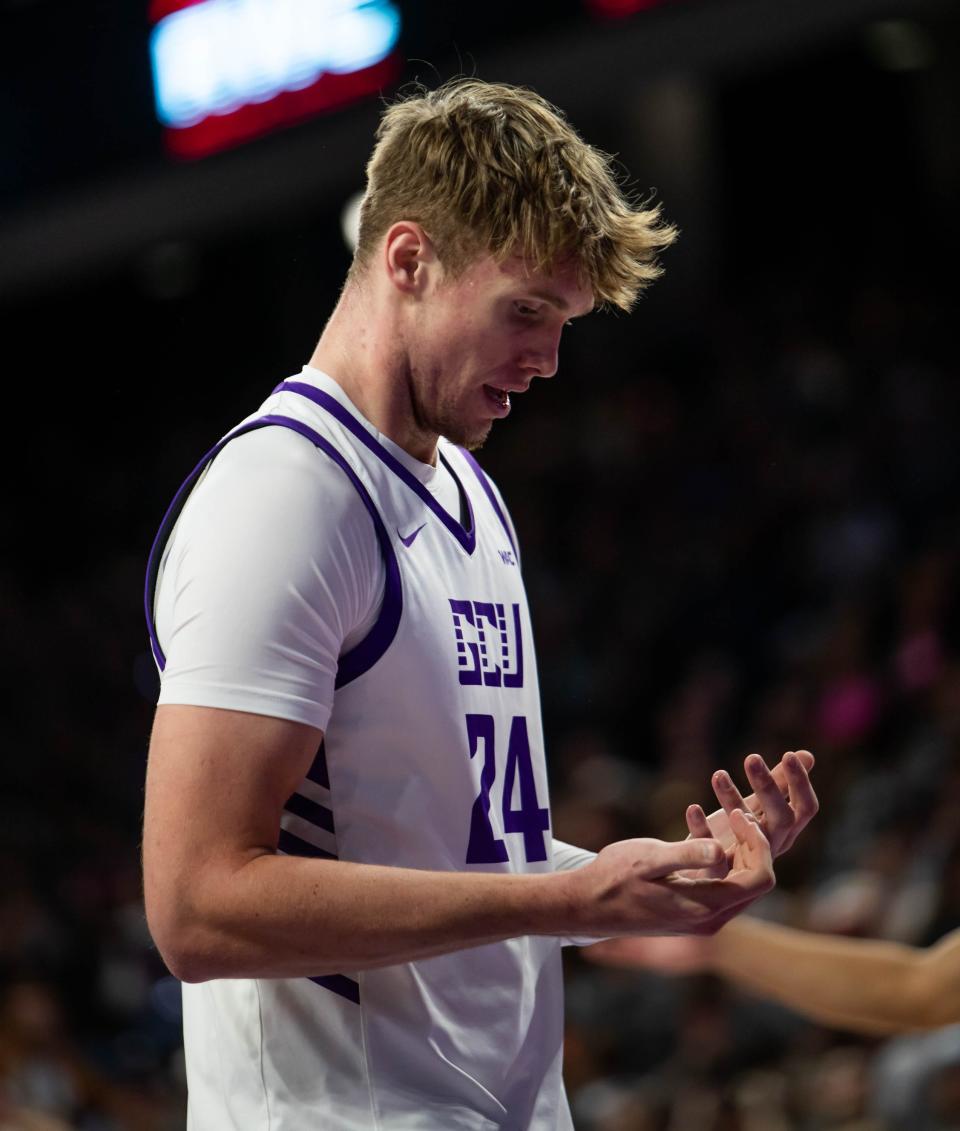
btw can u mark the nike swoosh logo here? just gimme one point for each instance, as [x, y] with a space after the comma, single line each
[408, 541]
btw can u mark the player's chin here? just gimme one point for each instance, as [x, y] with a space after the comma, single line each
[469, 436]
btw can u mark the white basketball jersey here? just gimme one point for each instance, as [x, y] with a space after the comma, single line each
[433, 758]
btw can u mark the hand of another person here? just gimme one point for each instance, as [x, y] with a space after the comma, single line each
[687, 954]
[644, 886]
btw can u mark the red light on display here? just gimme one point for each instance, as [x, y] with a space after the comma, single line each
[227, 71]
[618, 9]
[224, 131]
[161, 8]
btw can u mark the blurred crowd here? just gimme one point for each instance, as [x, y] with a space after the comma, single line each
[766, 559]
[750, 546]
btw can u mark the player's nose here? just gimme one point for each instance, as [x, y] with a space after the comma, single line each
[543, 358]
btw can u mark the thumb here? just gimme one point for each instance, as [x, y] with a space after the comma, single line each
[675, 856]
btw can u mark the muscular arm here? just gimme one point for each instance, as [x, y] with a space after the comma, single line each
[866, 985]
[221, 902]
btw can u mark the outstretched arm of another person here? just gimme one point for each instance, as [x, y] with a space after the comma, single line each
[222, 902]
[868, 985]
[864, 985]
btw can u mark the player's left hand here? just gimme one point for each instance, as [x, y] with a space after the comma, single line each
[783, 801]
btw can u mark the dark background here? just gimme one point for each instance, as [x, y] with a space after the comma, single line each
[737, 505]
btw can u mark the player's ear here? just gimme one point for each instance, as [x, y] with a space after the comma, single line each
[410, 259]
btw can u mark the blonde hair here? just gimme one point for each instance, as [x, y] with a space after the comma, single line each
[495, 169]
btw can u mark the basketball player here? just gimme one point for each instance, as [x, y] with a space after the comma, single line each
[347, 846]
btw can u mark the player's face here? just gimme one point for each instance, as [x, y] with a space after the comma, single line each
[485, 336]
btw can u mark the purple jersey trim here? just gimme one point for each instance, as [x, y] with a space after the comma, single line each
[292, 845]
[355, 663]
[340, 984]
[166, 526]
[364, 655]
[311, 811]
[318, 772]
[491, 495]
[467, 538]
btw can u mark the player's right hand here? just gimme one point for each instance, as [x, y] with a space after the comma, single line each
[636, 887]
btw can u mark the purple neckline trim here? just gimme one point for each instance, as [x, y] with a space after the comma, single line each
[491, 495]
[466, 538]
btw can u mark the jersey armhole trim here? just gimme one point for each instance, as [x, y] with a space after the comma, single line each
[362, 657]
[163, 535]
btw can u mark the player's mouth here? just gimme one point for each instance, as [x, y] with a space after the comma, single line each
[499, 399]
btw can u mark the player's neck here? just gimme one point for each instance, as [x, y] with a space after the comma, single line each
[360, 348]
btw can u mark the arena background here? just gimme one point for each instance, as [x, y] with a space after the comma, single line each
[737, 506]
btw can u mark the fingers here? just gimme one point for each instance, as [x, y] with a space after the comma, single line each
[746, 828]
[768, 801]
[793, 766]
[751, 877]
[699, 826]
[792, 778]
[676, 856]
[727, 793]
[801, 794]
[783, 798]
[805, 758]
[697, 822]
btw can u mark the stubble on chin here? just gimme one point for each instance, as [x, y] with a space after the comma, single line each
[472, 439]
[447, 422]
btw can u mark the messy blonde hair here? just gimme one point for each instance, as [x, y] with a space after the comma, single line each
[493, 169]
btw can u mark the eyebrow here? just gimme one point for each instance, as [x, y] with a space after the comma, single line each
[554, 299]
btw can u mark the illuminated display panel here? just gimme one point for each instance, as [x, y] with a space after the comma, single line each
[226, 71]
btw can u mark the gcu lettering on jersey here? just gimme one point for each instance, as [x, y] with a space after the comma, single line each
[489, 643]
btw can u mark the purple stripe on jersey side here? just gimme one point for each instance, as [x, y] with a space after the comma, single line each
[340, 984]
[364, 655]
[311, 811]
[491, 495]
[294, 845]
[466, 538]
[318, 771]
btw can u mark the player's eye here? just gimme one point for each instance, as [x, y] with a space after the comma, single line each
[525, 309]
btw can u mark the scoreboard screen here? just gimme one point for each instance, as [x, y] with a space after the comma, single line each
[226, 71]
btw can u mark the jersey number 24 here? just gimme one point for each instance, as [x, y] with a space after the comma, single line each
[484, 847]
